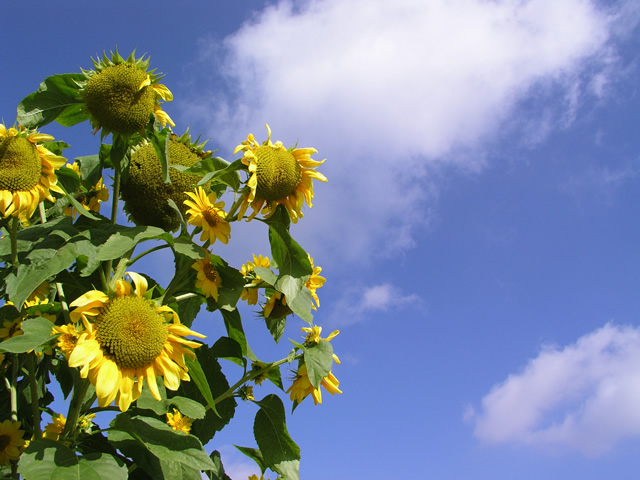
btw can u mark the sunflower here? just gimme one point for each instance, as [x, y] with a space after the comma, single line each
[278, 176]
[91, 199]
[208, 279]
[179, 422]
[68, 338]
[54, 429]
[208, 214]
[250, 294]
[127, 337]
[11, 441]
[276, 307]
[121, 95]
[27, 171]
[301, 386]
[314, 282]
[145, 192]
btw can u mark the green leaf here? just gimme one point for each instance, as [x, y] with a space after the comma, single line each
[319, 360]
[200, 380]
[57, 98]
[255, 455]
[127, 238]
[159, 440]
[206, 428]
[301, 305]
[37, 331]
[185, 246]
[232, 286]
[281, 454]
[187, 406]
[215, 168]
[160, 142]
[51, 460]
[90, 170]
[233, 324]
[229, 349]
[266, 275]
[216, 473]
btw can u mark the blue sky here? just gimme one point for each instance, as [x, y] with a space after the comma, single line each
[479, 231]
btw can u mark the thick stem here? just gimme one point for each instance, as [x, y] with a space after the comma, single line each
[63, 302]
[114, 216]
[75, 406]
[14, 242]
[33, 386]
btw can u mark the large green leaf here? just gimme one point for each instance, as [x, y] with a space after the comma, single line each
[51, 460]
[233, 324]
[158, 439]
[231, 289]
[281, 454]
[57, 98]
[37, 331]
[319, 360]
[127, 238]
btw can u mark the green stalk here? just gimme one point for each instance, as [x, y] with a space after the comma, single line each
[33, 386]
[114, 215]
[63, 302]
[74, 408]
[11, 386]
[236, 205]
[250, 376]
[14, 241]
[147, 252]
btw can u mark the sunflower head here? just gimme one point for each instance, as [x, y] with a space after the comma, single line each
[27, 171]
[121, 95]
[127, 338]
[276, 307]
[278, 175]
[145, 193]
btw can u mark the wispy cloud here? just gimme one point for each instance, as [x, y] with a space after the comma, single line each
[581, 397]
[356, 305]
[390, 92]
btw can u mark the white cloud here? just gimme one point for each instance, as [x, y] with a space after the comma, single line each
[391, 91]
[356, 304]
[583, 397]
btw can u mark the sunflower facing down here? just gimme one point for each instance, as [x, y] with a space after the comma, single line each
[27, 171]
[278, 176]
[127, 338]
[208, 279]
[250, 293]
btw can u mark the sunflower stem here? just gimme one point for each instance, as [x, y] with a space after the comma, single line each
[43, 213]
[234, 208]
[77, 400]
[184, 296]
[147, 252]
[11, 386]
[33, 387]
[63, 302]
[250, 376]
[114, 214]
[14, 242]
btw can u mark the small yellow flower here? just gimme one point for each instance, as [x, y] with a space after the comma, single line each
[314, 282]
[54, 429]
[246, 392]
[313, 334]
[68, 338]
[208, 279]
[85, 422]
[11, 441]
[208, 214]
[278, 176]
[179, 422]
[11, 328]
[250, 293]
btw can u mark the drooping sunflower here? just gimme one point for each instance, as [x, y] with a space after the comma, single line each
[278, 176]
[301, 386]
[146, 194]
[121, 95]
[129, 339]
[206, 213]
[54, 429]
[11, 441]
[276, 307]
[27, 171]
[208, 279]
[250, 293]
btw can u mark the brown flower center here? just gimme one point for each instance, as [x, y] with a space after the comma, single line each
[20, 165]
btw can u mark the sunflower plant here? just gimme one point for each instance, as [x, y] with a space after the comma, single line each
[106, 372]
